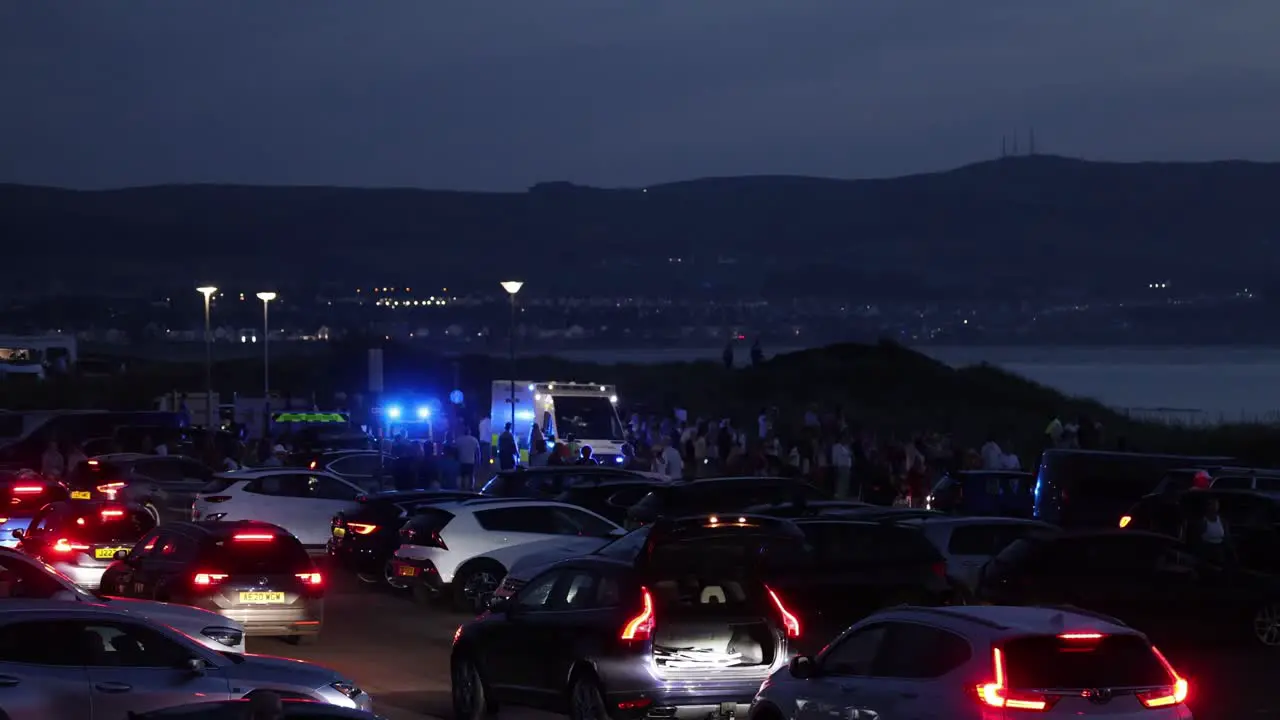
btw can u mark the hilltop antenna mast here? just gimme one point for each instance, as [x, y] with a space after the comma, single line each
[1032, 141]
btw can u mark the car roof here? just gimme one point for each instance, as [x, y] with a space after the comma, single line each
[121, 457]
[963, 520]
[1027, 620]
[255, 473]
[220, 528]
[489, 503]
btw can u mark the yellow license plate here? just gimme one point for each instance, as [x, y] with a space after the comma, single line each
[81, 495]
[262, 597]
[106, 553]
[407, 570]
[339, 532]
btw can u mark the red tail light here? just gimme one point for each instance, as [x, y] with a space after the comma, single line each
[791, 622]
[28, 489]
[112, 514]
[1125, 520]
[410, 536]
[216, 498]
[312, 466]
[1175, 694]
[110, 489]
[361, 528]
[996, 695]
[92, 463]
[313, 578]
[253, 537]
[3, 520]
[208, 578]
[65, 546]
[640, 627]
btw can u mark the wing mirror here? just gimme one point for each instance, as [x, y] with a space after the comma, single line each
[614, 533]
[196, 666]
[17, 533]
[802, 667]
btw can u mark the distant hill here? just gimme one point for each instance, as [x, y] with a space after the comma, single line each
[1005, 228]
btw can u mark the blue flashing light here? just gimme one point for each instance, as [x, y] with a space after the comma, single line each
[424, 412]
[530, 387]
[394, 412]
[524, 415]
[618, 459]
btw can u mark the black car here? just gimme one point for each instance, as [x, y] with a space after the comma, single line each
[1152, 582]
[608, 496]
[163, 485]
[365, 468]
[686, 625]
[792, 509]
[849, 569]
[546, 483]
[719, 495]
[1252, 522]
[80, 538]
[363, 539]
[252, 572]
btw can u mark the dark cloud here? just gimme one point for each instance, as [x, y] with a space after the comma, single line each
[502, 94]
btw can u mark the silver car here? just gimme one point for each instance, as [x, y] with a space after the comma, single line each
[25, 578]
[81, 660]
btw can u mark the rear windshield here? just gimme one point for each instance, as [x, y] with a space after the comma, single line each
[427, 520]
[93, 472]
[727, 556]
[705, 591]
[281, 554]
[25, 493]
[1050, 663]
[106, 525]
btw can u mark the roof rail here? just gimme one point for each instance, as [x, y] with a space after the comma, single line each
[1087, 613]
[487, 499]
[956, 615]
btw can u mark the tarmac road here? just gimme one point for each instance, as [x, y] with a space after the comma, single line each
[399, 653]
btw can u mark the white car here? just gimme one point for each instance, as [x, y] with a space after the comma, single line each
[23, 577]
[968, 543]
[979, 663]
[300, 501]
[464, 547]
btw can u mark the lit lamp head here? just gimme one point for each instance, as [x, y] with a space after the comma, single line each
[512, 286]
[266, 296]
[207, 291]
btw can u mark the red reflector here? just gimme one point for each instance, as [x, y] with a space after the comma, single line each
[940, 569]
[791, 622]
[253, 537]
[208, 578]
[28, 489]
[65, 545]
[635, 704]
[310, 578]
[640, 627]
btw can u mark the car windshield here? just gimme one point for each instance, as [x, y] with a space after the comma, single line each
[587, 418]
[22, 577]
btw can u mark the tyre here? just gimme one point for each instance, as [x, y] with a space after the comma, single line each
[1266, 625]
[470, 700]
[475, 583]
[586, 702]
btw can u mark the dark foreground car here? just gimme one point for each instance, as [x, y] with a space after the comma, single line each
[252, 572]
[364, 539]
[22, 494]
[290, 709]
[685, 626]
[80, 538]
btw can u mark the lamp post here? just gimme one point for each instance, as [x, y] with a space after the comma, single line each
[266, 298]
[208, 291]
[512, 287]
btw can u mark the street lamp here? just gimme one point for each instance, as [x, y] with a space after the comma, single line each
[208, 291]
[512, 287]
[266, 298]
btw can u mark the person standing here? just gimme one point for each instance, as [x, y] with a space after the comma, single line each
[468, 447]
[508, 453]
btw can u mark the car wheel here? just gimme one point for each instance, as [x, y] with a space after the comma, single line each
[586, 702]
[152, 511]
[477, 582]
[1266, 625]
[470, 701]
[390, 578]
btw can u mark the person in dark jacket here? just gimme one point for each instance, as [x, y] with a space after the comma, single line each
[508, 452]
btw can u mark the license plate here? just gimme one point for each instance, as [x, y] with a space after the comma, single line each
[106, 553]
[81, 495]
[407, 571]
[339, 532]
[262, 597]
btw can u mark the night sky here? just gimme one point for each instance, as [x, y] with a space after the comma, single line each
[500, 94]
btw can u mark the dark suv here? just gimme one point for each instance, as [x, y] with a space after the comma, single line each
[363, 539]
[163, 485]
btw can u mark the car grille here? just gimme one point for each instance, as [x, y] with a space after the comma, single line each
[512, 585]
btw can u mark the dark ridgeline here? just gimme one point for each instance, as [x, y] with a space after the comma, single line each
[1018, 226]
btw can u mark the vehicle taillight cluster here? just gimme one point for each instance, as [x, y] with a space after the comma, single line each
[63, 545]
[311, 578]
[361, 528]
[1174, 694]
[789, 621]
[111, 489]
[997, 695]
[640, 627]
[208, 578]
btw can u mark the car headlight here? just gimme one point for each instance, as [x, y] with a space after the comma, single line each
[227, 636]
[348, 690]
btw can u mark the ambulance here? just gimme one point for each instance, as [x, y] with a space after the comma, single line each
[579, 413]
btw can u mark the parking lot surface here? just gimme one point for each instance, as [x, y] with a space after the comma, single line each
[399, 653]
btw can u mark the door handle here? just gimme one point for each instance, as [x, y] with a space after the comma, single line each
[113, 687]
[9, 681]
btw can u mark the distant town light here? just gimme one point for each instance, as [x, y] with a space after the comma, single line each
[266, 296]
[512, 286]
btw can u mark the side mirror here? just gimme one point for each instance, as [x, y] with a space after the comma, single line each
[802, 667]
[17, 533]
[614, 533]
[196, 666]
[500, 605]
[122, 555]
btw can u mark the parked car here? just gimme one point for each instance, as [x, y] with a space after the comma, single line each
[365, 468]
[24, 578]
[300, 501]
[719, 495]
[978, 663]
[969, 543]
[364, 539]
[254, 573]
[71, 660]
[686, 626]
[1006, 493]
[163, 485]
[22, 494]
[80, 538]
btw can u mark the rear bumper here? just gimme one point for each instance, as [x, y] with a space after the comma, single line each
[348, 556]
[303, 619]
[418, 572]
[634, 689]
[89, 578]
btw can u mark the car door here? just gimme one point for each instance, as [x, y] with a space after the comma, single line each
[518, 525]
[505, 646]
[281, 498]
[583, 531]
[908, 669]
[577, 620]
[843, 684]
[136, 668]
[42, 673]
[326, 496]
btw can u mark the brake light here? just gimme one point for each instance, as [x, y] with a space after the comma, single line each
[253, 537]
[791, 622]
[64, 546]
[208, 578]
[312, 578]
[110, 489]
[996, 695]
[1125, 520]
[640, 627]
[1175, 694]
[92, 463]
[28, 489]
[107, 514]
[3, 520]
[216, 499]
[1080, 636]
[312, 466]
[361, 528]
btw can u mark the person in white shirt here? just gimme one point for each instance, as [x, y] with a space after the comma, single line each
[485, 437]
[671, 462]
[468, 454]
[992, 455]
